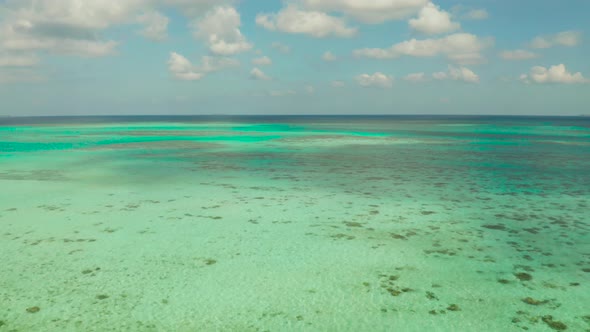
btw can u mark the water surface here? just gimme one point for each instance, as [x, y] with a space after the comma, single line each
[294, 223]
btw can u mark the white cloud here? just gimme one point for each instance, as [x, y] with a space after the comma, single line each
[156, 25]
[328, 56]
[369, 11]
[565, 38]
[476, 14]
[211, 64]
[468, 13]
[463, 74]
[18, 60]
[70, 27]
[257, 74]
[441, 75]
[262, 61]
[82, 48]
[416, 77]
[281, 93]
[220, 30]
[19, 74]
[462, 48]
[457, 74]
[432, 20]
[375, 80]
[76, 27]
[63, 16]
[19, 67]
[191, 8]
[313, 23]
[518, 55]
[183, 69]
[337, 84]
[309, 89]
[555, 74]
[281, 47]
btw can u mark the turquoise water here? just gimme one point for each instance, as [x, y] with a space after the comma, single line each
[295, 224]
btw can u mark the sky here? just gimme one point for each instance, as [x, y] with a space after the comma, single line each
[132, 57]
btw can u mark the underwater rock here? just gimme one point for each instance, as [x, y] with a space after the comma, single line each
[33, 310]
[353, 224]
[453, 307]
[499, 227]
[431, 296]
[398, 236]
[556, 325]
[531, 301]
[393, 291]
[523, 276]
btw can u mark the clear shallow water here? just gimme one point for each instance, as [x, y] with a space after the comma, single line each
[294, 223]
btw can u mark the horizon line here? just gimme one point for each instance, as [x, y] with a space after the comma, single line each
[289, 115]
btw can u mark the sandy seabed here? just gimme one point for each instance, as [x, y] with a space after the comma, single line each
[397, 225]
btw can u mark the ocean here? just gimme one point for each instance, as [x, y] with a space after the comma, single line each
[295, 223]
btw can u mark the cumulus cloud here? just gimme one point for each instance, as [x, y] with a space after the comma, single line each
[476, 14]
[314, 23]
[76, 27]
[281, 47]
[375, 11]
[211, 64]
[457, 74]
[518, 55]
[328, 56]
[337, 84]
[25, 38]
[18, 67]
[281, 93]
[19, 74]
[257, 74]
[63, 26]
[262, 61]
[183, 69]
[462, 48]
[377, 79]
[432, 20]
[416, 77]
[191, 8]
[156, 25]
[554, 74]
[18, 60]
[469, 13]
[565, 38]
[220, 30]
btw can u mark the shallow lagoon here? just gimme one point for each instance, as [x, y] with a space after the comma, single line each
[295, 223]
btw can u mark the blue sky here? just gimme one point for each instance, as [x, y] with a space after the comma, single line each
[84, 57]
